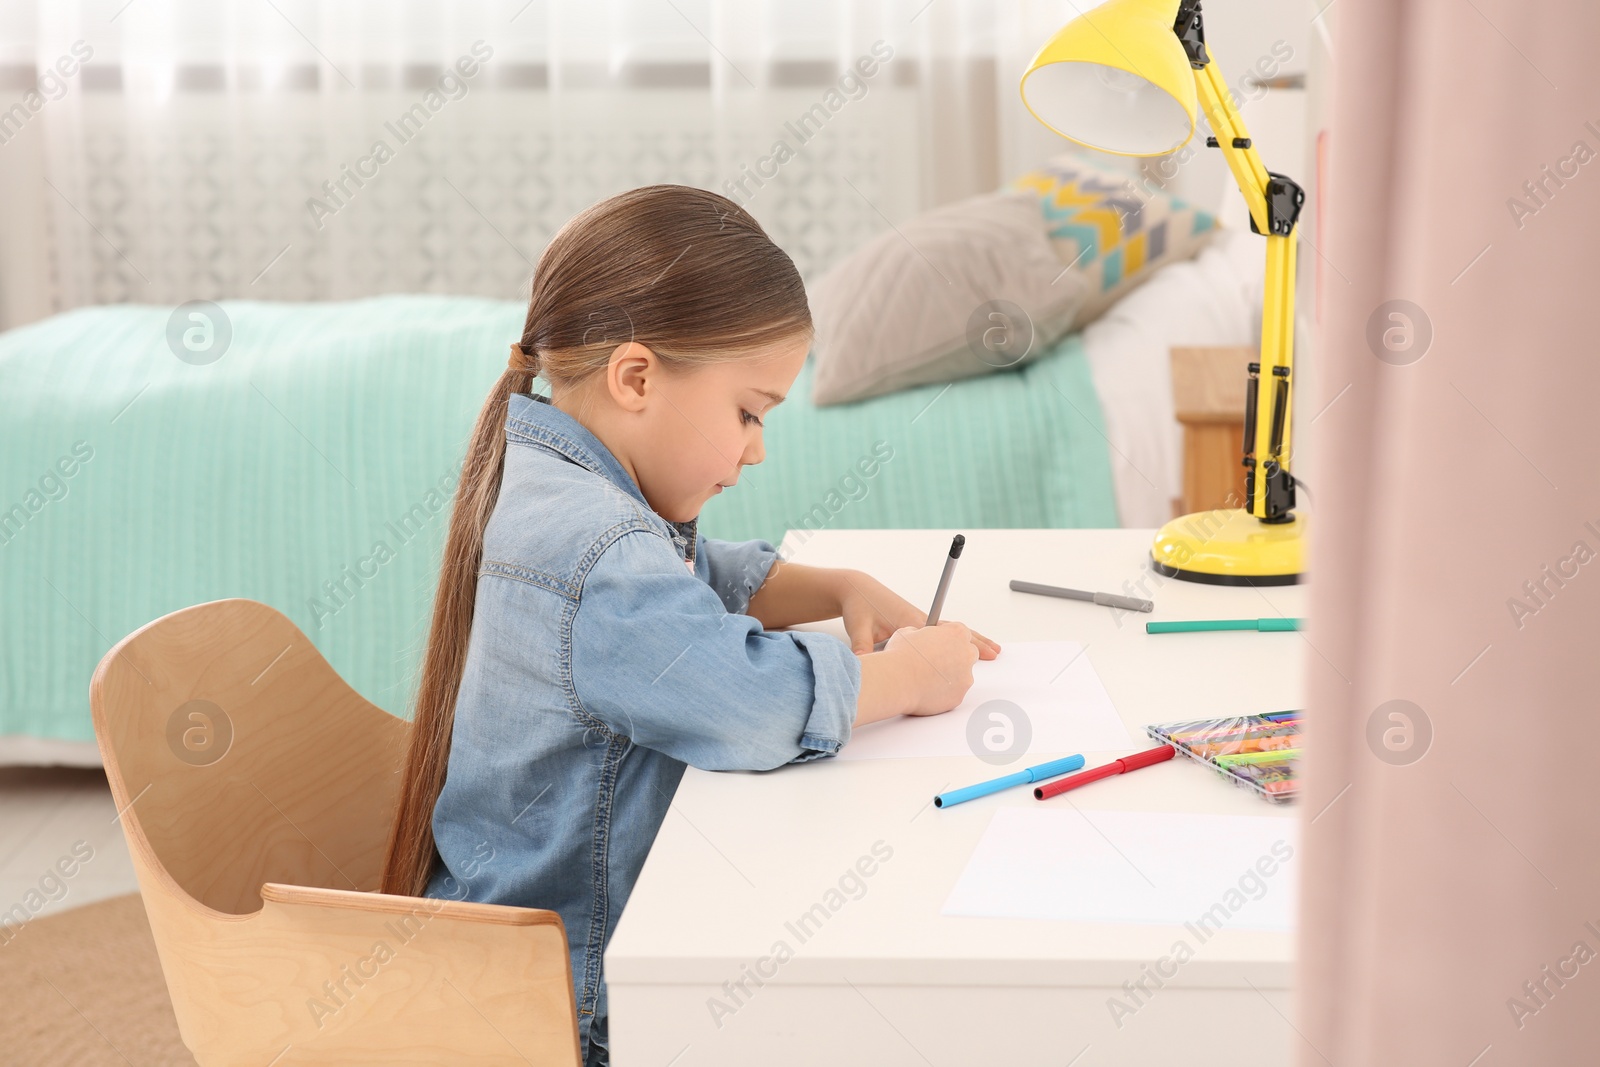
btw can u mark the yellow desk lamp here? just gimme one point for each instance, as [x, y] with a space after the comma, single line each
[1124, 78]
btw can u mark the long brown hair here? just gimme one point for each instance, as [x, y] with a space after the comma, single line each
[686, 272]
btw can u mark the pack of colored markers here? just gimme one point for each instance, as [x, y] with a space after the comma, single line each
[1256, 752]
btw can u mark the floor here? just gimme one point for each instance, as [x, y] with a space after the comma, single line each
[51, 815]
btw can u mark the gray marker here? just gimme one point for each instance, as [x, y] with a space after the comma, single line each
[1105, 600]
[944, 586]
[944, 579]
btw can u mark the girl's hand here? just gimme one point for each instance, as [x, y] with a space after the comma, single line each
[938, 665]
[872, 612]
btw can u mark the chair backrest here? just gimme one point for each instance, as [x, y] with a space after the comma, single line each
[255, 790]
[247, 758]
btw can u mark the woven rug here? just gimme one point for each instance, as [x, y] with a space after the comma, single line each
[84, 987]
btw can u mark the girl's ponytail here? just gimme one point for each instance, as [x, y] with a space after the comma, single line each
[411, 854]
[684, 271]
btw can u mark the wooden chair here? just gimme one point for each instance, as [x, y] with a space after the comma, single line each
[256, 790]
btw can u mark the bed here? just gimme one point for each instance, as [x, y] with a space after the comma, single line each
[133, 483]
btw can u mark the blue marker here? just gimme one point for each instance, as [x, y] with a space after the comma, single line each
[1064, 765]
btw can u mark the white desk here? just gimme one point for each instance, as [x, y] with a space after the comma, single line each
[888, 979]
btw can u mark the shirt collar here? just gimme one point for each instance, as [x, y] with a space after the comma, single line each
[534, 419]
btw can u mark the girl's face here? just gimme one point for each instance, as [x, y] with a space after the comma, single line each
[686, 435]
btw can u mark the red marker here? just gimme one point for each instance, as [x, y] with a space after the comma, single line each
[1119, 766]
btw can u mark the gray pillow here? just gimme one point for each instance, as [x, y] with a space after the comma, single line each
[959, 291]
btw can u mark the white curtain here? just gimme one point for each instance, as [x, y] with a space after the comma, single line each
[158, 151]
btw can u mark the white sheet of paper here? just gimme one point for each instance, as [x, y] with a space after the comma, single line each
[1063, 710]
[1083, 865]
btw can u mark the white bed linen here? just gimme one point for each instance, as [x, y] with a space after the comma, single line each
[1213, 299]
[20, 750]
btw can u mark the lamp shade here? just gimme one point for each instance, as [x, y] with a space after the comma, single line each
[1116, 78]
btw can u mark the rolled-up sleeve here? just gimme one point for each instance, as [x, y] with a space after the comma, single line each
[733, 569]
[657, 656]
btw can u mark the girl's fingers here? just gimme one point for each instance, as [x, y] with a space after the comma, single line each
[861, 628]
[987, 648]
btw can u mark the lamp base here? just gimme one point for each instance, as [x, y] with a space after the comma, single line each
[1230, 546]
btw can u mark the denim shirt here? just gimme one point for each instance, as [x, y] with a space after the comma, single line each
[609, 648]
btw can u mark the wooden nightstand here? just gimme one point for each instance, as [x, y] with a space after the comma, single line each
[1208, 390]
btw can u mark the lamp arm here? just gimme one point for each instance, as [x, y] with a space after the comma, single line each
[1274, 202]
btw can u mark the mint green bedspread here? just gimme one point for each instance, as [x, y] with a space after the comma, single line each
[319, 452]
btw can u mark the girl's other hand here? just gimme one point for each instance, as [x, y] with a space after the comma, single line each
[872, 611]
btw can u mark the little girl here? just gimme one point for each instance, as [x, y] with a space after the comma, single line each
[587, 641]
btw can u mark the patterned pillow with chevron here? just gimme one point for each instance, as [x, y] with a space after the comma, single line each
[1111, 228]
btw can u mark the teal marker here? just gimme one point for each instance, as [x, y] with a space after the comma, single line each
[1064, 765]
[1202, 625]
